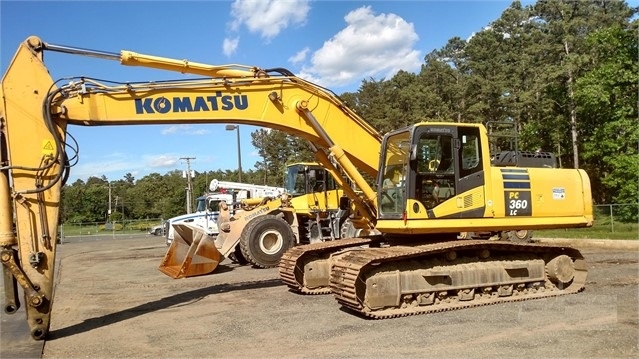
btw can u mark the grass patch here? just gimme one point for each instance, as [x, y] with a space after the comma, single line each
[626, 231]
[88, 229]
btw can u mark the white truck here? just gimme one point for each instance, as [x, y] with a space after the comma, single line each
[208, 205]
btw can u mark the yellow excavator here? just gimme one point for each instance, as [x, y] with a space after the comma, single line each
[434, 180]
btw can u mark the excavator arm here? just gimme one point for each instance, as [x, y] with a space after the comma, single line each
[36, 151]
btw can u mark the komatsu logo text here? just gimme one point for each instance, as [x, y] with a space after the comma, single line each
[217, 102]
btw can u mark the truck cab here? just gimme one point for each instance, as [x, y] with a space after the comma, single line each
[205, 215]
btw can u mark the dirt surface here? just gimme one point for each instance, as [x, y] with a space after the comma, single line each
[111, 301]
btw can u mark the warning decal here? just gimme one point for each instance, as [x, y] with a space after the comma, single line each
[48, 147]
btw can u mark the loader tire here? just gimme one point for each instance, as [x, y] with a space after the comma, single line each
[265, 239]
[237, 256]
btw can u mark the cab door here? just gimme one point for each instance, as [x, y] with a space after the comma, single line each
[446, 170]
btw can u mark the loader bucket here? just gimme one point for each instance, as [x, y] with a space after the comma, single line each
[192, 252]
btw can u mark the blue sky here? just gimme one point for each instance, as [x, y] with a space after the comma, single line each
[336, 44]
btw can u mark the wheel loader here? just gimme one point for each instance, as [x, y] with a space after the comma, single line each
[207, 206]
[312, 210]
[410, 261]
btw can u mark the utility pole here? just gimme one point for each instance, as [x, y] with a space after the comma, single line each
[189, 188]
[109, 219]
[109, 212]
[239, 150]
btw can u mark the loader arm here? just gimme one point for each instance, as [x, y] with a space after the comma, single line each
[35, 157]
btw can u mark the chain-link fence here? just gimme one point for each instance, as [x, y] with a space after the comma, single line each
[139, 226]
[616, 216]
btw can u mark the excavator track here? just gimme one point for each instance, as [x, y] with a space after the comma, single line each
[305, 268]
[399, 281]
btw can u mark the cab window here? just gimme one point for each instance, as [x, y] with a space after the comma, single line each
[435, 180]
[392, 191]
[214, 206]
[470, 151]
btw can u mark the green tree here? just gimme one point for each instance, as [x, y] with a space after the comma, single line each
[278, 150]
[370, 103]
[606, 98]
[567, 25]
[92, 200]
[148, 198]
[445, 78]
[71, 202]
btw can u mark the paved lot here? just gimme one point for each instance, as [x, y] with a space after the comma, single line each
[111, 301]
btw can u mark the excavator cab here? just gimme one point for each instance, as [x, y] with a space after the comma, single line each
[435, 163]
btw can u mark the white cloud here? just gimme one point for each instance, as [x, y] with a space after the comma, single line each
[268, 17]
[230, 45]
[185, 130]
[160, 161]
[369, 46]
[121, 163]
[199, 132]
[170, 130]
[300, 56]
[107, 165]
[255, 153]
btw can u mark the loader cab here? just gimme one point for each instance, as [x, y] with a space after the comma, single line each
[426, 166]
[305, 178]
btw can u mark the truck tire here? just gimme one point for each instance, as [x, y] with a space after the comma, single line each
[265, 239]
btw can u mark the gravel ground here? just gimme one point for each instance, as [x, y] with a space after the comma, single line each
[112, 302]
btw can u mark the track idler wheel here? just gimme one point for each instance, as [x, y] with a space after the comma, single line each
[561, 270]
